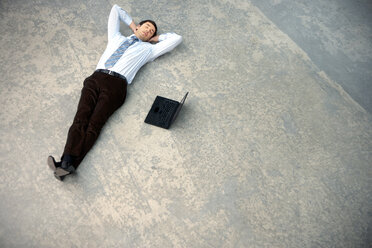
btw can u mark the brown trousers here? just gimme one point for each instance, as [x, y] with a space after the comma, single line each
[101, 96]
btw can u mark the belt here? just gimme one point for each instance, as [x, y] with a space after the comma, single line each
[112, 73]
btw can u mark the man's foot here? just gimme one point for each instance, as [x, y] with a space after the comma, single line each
[53, 165]
[65, 169]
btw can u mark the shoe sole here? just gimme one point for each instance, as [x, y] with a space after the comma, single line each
[60, 178]
[52, 163]
[61, 172]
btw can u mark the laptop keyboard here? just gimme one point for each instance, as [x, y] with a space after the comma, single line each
[163, 112]
[167, 108]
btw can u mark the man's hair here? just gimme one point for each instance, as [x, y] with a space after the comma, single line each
[153, 23]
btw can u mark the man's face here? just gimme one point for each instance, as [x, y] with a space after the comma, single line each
[145, 31]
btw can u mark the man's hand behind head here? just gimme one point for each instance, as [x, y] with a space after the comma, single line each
[154, 39]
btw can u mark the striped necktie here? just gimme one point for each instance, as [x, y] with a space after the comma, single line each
[119, 52]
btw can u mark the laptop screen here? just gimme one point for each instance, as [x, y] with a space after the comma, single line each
[179, 107]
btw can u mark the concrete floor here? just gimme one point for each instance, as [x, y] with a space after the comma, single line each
[270, 150]
[336, 35]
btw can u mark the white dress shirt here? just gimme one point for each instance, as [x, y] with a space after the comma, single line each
[137, 54]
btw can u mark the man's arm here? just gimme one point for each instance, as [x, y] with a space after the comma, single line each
[117, 14]
[165, 43]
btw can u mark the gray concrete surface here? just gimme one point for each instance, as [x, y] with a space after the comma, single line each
[336, 35]
[269, 150]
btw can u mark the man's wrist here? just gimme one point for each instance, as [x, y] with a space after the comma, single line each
[133, 26]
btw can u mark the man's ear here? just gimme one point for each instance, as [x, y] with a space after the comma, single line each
[138, 26]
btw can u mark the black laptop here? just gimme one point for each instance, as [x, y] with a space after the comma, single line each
[164, 111]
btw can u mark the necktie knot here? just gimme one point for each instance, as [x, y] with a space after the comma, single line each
[133, 40]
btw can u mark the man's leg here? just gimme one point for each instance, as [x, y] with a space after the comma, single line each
[77, 132]
[111, 94]
[112, 97]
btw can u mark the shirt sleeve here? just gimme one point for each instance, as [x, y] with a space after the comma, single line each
[117, 14]
[167, 42]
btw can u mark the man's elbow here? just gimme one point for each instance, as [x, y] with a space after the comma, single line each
[178, 39]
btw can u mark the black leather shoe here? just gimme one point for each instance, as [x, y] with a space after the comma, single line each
[65, 169]
[53, 165]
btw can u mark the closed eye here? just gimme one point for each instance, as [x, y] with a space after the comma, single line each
[151, 30]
